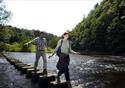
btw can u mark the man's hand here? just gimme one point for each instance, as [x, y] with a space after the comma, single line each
[50, 56]
[26, 44]
[78, 53]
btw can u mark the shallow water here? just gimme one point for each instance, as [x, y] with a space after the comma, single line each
[88, 71]
[11, 78]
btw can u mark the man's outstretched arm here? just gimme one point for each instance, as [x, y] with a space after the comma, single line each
[32, 41]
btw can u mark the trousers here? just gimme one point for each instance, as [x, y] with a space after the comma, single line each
[62, 66]
[38, 55]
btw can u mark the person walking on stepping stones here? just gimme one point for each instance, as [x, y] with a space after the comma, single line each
[40, 43]
[62, 65]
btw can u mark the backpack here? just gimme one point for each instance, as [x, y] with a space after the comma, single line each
[58, 52]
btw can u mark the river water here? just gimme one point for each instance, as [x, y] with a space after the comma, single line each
[87, 71]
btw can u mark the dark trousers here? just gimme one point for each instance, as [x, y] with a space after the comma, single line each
[66, 73]
[64, 62]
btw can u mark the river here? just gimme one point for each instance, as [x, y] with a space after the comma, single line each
[89, 71]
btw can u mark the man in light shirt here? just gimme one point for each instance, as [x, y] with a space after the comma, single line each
[40, 43]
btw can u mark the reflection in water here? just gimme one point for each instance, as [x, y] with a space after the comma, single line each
[92, 71]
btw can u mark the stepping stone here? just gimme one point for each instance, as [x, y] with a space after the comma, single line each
[35, 75]
[13, 61]
[79, 86]
[29, 72]
[19, 67]
[62, 84]
[24, 68]
[18, 63]
[45, 80]
[7, 59]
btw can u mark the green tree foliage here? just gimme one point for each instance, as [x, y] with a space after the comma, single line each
[53, 41]
[103, 30]
[13, 39]
[4, 14]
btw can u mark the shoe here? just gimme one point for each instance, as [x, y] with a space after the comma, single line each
[35, 70]
[58, 79]
[44, 72]
[69, 84]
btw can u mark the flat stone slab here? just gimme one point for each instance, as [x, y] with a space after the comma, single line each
[13, 61]
[30, 71]
[45, 80]
[18, 67]
[35, 75]
[62, 84]
[24, 69]
[18, 63]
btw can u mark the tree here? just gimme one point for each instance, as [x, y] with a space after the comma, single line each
[4, 14]
[103, 30]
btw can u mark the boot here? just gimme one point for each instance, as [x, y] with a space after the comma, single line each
[35, 69]
[69, 84]
[58, 79]
[44, 72]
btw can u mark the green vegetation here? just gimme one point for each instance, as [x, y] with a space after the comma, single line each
[13, 39]
[103, 30]
[4, 14]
